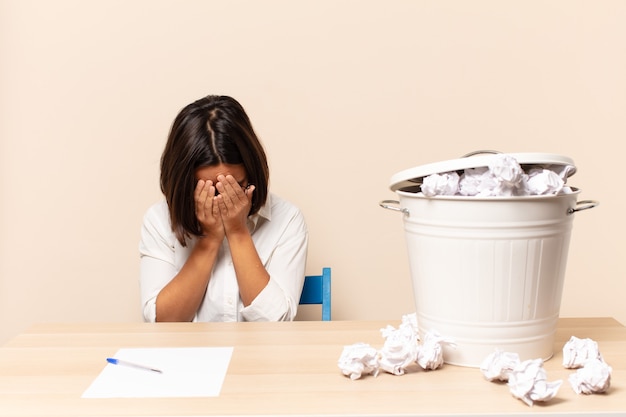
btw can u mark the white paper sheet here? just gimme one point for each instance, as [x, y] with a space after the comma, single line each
[186, 372]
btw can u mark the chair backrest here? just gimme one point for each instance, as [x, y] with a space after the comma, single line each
[316, 290]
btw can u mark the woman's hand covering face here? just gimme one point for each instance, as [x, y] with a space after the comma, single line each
[233, 203]
[207, 210]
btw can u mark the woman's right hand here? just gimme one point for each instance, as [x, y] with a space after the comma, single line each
[180, 299]
[207, 211]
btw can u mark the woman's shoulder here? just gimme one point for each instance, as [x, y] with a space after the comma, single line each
[279, 204]
[283, 210]
[157, 218]
[157, 238]
[158, 210]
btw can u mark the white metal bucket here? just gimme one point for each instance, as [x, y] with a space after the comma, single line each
[488, 272]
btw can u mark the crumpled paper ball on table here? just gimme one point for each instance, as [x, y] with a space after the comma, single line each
[411, 321]
[576, 352]
[430, 353]
[498, 365]
[528, 382]
[357, 360]
[400, 347]
[593, 378]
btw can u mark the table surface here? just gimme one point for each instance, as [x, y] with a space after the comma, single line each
[282, 369]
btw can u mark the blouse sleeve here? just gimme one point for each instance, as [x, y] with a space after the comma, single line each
[157, 258]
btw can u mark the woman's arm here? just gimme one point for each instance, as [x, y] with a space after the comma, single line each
[180, 299]
[281, 240]
[234, 205]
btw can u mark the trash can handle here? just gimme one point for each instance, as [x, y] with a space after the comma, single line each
[386, 205]
[480, 152]
[583, 205]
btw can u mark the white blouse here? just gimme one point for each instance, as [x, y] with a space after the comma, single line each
[281, 239]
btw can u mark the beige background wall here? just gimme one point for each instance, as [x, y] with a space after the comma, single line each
[343, 94]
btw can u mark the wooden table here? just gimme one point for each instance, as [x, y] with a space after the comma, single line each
[282, 369]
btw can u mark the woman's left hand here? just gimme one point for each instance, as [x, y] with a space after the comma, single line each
[234, 203]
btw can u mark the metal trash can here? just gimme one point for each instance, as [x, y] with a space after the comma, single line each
[487, 272]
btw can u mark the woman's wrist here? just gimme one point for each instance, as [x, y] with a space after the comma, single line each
[238, 234]
[208, 242]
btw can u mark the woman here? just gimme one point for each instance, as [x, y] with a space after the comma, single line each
[220, 247]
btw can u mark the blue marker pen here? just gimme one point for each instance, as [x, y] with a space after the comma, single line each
[132, 365]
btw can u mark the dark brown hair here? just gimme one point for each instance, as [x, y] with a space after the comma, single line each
[210, 131]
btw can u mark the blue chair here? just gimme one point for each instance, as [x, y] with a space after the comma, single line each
[316, 290]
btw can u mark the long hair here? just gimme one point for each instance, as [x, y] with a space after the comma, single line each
[210, 131]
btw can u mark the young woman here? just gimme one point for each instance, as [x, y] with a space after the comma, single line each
[220, 247]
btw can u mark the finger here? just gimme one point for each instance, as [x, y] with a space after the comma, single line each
[198, 189]
[234, 187]
[210, 193]
[220, 207]
[198, 196]
[220, 186]
[249, 191]
[230, 189]
[203, 196]
[216, 206]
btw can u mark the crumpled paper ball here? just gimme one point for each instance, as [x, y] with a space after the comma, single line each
[499, 364]
[508, 174]
[398, 352]
[400, 347]
[477, 182]
[576, 352]
[357, 360]
[441, 184]
[430, 353]
[410, 320]
[529, 383]
[544, 182]
[593, 378]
